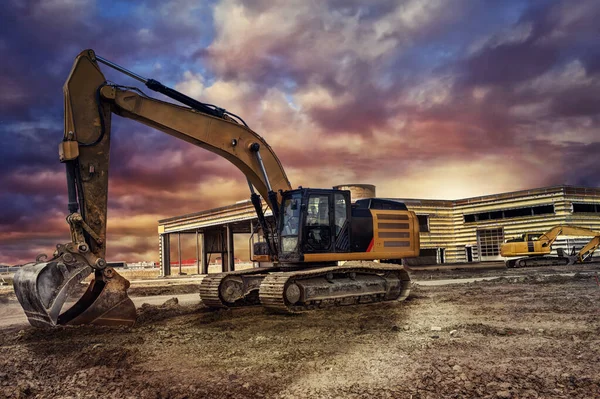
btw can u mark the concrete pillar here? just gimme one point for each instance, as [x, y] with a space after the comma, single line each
[223, 262]
[179, 250]
[197, 253]
[230, 249]
[165, 254]
[204, 255]
[251, 242]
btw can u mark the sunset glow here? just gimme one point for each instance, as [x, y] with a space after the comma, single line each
[420, 98]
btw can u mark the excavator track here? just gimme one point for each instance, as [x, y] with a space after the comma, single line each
[294, 292]
[211, 287]
[539, 261]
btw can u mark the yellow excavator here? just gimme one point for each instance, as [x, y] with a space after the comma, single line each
[533, 248]
[311, 230]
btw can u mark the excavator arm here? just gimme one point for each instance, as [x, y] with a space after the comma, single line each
[550, 236]
[588, 250]
[43, 287]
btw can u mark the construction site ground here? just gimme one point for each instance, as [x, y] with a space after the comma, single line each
[530, 333]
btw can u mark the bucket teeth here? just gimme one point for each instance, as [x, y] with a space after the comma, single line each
[43, 288]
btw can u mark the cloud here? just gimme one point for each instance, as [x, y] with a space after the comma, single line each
[419, 98]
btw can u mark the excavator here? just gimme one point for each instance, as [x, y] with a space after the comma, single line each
[533, 248]
[311, 232]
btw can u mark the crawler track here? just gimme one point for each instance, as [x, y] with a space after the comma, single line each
[273, 288]
[315, 288]
[210, 287]
[539, 261]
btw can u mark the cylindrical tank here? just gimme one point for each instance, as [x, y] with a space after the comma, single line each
[358, 191]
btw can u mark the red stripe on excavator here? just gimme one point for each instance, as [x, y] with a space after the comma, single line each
[370, 247]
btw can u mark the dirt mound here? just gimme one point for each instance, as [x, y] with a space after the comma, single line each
[147, 313]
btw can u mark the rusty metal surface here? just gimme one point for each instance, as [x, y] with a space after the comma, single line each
[104, 303]
[87, 121]
[43, 287]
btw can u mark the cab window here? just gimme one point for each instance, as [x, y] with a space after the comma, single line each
[340, 213]
[290, 223]
[317, 229]
[318, 211]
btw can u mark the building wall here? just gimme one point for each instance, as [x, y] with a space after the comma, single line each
[441, 225]
[449, 230]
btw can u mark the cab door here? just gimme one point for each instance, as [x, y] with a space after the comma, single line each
[318, 235]
[341, 221]
[327, 222]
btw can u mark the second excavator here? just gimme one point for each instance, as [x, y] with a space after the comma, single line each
[533, 249]
[310, 232]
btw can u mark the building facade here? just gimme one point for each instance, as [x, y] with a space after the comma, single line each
[452, 231]
[472, 229]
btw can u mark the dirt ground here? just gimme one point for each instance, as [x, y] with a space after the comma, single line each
[516, 337]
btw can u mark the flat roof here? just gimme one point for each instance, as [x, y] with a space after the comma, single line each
[239, 204]
[566, 189]
[511, 194]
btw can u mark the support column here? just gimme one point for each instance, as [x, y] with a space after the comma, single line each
[230, 249]
[165, 254]
[251, 243]
[179, 250]
[204, 255]
[223, 262]
[197, 253]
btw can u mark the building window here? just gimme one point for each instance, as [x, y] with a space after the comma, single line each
[511, 213]
[423, 223]
[543, 210]
[518, 213]
[586, 208]
[469, 218]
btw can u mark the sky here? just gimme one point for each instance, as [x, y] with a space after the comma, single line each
[423, 98]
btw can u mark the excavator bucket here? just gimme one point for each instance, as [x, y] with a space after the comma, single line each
[42, 288]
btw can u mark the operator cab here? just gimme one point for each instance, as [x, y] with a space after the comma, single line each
[314, 221]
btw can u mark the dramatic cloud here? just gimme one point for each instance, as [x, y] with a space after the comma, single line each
[423, 99]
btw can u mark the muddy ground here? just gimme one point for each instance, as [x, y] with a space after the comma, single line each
[516, 337]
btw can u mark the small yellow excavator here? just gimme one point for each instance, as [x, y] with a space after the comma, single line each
[533, 248]
[310, 232]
